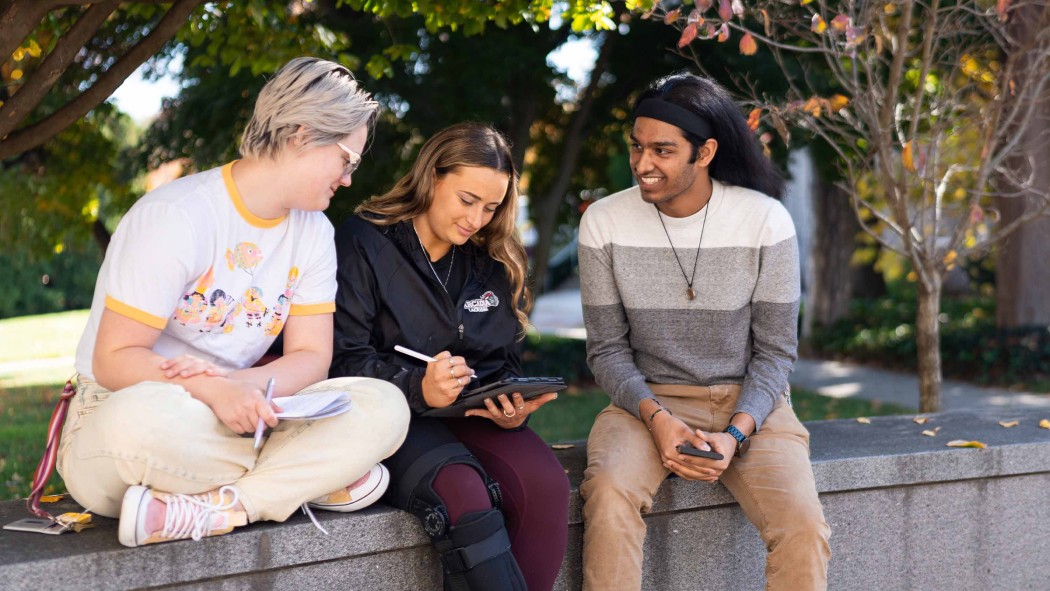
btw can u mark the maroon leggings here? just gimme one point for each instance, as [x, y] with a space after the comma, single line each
[535, 493]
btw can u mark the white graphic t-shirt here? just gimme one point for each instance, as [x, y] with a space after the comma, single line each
[219, 282]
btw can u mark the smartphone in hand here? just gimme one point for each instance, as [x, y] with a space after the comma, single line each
[688, 449]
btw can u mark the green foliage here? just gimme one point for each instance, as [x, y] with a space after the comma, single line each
[882, 332]
[547, 355]
[54, 195]
[65, 281]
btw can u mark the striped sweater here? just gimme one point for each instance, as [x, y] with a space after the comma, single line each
[641, 327]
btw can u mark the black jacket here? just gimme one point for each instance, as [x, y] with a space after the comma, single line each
[389, 296]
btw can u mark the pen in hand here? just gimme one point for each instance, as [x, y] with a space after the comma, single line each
[422, 357]
[261, 425]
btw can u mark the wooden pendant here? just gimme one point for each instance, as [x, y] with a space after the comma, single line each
[689, 292]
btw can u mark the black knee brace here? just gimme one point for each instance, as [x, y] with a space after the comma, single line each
[475, 553]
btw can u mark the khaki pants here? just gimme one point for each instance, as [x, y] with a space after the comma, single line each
[154, 434]
[773, 483]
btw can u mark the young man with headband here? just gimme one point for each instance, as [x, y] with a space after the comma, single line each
[690, 287]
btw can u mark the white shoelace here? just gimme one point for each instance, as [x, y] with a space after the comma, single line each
[306, 509]
[187, 516]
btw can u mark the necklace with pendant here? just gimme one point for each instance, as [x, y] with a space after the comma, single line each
[426, 254]
[688, 280]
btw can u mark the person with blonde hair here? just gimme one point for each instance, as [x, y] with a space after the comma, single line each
[201, 276]
[435, 265]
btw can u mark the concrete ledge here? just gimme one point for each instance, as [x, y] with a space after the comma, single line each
[906, 513]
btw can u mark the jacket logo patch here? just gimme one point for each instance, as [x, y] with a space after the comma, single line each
[482, 304]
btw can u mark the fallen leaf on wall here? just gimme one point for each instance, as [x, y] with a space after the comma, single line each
[864, 420]
[964, 443]
[1009, 424]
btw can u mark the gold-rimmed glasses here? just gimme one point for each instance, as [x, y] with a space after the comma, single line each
[352, 163]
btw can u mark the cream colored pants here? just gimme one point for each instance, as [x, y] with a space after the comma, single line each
[773, 483]
[154, 434]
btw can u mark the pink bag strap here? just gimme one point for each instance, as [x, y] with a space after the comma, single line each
[47, 462]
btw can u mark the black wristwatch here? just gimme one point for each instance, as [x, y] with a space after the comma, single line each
[742, 441]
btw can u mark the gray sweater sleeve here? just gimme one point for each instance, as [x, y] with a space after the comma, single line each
[774, 330]
[609, 352]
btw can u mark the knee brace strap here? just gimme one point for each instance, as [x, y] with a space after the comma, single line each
[464, 558]
[476, 555]
[416, 491]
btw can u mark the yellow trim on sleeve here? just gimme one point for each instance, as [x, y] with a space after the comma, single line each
[238, 203]
[310, 309]
[135, 314]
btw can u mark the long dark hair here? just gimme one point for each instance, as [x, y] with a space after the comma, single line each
[463, 145]
[739, 160]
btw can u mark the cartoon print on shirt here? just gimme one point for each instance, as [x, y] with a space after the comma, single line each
[221, 311]
[273, 328]
[245, 256]
[193, 304]
[254, 308]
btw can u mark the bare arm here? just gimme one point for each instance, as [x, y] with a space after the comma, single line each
[124, 356]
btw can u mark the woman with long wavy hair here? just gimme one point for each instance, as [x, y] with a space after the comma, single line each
[435, 265]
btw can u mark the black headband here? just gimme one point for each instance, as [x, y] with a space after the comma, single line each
[685, 119]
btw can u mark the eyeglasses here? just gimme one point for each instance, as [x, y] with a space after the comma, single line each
[353, 163]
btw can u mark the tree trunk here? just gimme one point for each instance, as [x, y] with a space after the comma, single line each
[546, 206]
[928, 336]
[1023, 267]
[829, 276]
[101, 236]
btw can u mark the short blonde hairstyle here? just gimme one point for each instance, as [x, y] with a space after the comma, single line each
[318, 96]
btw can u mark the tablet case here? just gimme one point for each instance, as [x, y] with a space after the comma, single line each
[528, 387]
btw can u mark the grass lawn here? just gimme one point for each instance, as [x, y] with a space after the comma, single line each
[41, 337]
[24, 413]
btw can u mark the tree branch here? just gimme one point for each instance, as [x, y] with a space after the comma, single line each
[44, 77]
[38, 133]
[17, 21]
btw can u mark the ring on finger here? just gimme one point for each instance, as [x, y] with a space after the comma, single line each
[511, 415]
[522, 407]
[450, 363]
[451, 372]
[459, 381]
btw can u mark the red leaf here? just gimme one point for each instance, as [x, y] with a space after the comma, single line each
[748, 45]
[723, 33]
[704, 5]
[754, 118]
[672, 16]
[694, 17]
[839, 23]
[1001, 7]
[688, 34]
[725, 10]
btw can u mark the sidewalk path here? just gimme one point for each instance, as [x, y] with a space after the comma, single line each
[560, 313]
[846, 380]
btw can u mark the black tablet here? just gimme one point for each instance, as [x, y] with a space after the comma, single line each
[475, 398]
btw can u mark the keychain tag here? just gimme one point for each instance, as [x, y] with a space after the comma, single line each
[37, 525]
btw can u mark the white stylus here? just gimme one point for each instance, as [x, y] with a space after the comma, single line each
[422, 357]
